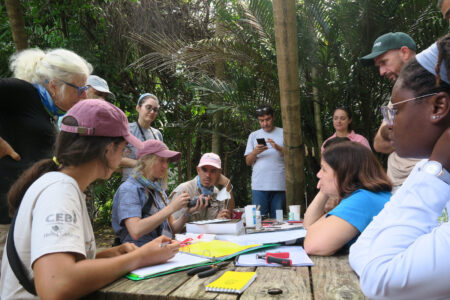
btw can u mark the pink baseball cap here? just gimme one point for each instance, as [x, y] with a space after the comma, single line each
[158, 148]
[210, 159]
[100, 118]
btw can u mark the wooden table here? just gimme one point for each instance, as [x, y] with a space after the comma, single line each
[330, 278]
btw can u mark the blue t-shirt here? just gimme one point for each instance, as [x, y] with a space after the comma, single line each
[360, 207]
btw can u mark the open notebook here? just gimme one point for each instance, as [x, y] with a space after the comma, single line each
[201, 253]
[232, 282]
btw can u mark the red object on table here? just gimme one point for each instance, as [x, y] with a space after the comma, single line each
[237, 214]
[278, 254]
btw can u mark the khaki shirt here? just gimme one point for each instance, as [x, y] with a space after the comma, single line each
[193, 190]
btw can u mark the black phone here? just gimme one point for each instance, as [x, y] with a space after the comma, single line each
[261, 141]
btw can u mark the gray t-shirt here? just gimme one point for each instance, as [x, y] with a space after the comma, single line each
[268, 171]
[52, 218]
[130, 152]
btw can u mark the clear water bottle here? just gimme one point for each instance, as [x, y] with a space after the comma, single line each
[258, 220]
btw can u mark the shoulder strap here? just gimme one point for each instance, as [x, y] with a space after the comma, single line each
[15, 262]
[142, 132]
[150, 201]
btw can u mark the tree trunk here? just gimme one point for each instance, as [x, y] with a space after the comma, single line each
[287, 63]
[317, 121]
[219, 72]
[17, 23]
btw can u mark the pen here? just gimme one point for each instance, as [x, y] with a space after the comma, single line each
[164, 244]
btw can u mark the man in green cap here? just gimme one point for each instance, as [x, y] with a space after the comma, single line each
[389, 53]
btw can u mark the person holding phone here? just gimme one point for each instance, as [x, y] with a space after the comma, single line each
[264, 153]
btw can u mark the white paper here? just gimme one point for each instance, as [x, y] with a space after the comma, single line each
[223, 195]
[179, 260]
[264, 238]
[296, 253]
[202, 222]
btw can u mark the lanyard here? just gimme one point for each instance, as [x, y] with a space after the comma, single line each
[142, 132]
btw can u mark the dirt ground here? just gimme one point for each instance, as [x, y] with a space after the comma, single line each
[104, 236]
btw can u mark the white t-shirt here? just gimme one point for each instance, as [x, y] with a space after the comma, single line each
[268, 171]
[52, 218]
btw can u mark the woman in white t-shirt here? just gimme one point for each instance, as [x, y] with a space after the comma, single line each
[52, 233]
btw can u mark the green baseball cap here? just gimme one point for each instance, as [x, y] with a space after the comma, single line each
[386, 42]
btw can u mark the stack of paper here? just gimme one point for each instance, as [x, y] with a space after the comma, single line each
[179, 262]
[216, 226]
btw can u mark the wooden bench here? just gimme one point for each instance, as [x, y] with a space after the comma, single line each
[330, 278]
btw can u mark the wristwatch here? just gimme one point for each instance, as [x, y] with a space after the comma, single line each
[435, 168]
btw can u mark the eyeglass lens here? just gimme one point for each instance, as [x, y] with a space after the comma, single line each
[388, 114]
[80, 89]
[151, 108]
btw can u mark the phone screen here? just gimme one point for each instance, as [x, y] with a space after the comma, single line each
[261, 141]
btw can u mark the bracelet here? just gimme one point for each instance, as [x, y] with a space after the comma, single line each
[186, 214]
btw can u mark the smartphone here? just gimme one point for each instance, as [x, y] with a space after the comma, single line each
[261, 141]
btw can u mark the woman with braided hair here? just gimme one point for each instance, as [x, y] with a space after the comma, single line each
[404, 252]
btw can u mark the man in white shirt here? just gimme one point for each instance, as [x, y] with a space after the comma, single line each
[265, 153]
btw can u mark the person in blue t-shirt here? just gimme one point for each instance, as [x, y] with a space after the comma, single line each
[352, 173]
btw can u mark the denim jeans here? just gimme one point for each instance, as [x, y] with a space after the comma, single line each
[269, 200]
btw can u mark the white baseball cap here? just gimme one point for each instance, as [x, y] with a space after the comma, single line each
[99, 84]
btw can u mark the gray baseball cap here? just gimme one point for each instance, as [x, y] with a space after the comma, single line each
[99, 84]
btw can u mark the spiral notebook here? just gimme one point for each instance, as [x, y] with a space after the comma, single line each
[232, 282]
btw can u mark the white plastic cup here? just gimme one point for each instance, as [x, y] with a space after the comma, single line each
[296, 210]
[279, 214]
[249, 218]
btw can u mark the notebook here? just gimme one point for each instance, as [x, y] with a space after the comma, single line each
[296, 253]
[232, 282]
[218, 249]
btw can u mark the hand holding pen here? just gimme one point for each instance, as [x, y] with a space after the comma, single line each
[159, 250]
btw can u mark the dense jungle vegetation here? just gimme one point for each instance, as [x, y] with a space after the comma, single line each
[211, 62]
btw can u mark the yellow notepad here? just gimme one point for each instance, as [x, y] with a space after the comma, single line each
[232, 282]
[216, 248]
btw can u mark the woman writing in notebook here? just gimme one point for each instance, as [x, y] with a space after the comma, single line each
[51, 232]
[141, 210]
[350, 172]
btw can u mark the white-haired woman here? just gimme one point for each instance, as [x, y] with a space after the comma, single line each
[45, 85]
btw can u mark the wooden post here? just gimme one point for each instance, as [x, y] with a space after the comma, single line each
[287, 63]
[17, 23]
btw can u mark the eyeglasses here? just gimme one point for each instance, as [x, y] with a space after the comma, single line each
[80, 89]
[389, 112]
[151, 108]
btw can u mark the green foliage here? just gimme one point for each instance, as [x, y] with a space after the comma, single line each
[103, 198]
[171, 48]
